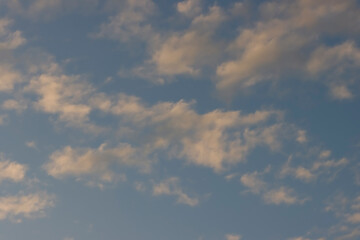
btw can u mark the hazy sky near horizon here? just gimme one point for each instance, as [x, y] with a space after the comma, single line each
[179, 120]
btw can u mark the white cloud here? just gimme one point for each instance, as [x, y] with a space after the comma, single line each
[325, 154]
[337, 57]
[9, 78]
[282, 195]
[46, 8]
[31, 144]
[354, 218]
[213, 139]
[285, 40]
[189, 7]
[172, 187]
[66, 96]
[25, 206]
[87, 162]
[184, 53]
[131, 22]
[299, 238]
[319, 167]
[253, 182]
[341, 92]
[301, 136]
[11, 170]
[232, 237]
[17, 105]
[271, 195]
[9, 39]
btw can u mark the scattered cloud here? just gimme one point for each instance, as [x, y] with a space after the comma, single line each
[285, 39]
[232, 237]
[12, 171]
[171, 186]
[270, 194]
[320, 166]
[9, 39]
[189, 8]
[131, 22]
[21, 206]
[86, 162]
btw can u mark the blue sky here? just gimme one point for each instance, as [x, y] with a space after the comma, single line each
[195, 119]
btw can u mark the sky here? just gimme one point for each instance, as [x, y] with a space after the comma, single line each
[179, 120]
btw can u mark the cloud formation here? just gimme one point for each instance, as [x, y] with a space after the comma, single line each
[22, 206]
[171, 186]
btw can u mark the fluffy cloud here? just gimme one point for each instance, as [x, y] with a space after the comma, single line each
[285, 40]
[172, 187]
[281, 196]
[270, 194]
[25, 206]
[217, 139]
[11, 171]
[232, 237]
[9, 39]
[212, 139]
[66, 96]
[130, 22]
[253, 182]
[17, 105]
[319, 167]
[9, 78]
[189, 7]
[84, 162]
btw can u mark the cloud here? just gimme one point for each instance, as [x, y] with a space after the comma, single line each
[189, 8]
[232, 237]
[25, 206]
[17, 105]
[130, 22]
[171, 187]
[184, 53]
[253, 182]
[341, 92]
[31, 144]
[299, 238]
[354, 218]
[319, 167]
[11, 170]
[2, 119]
[271, 195]
[8, 39]
[172, 130]
[87, 162]
[282, 195]
[66, 96]
[211, 139]
[9, 78]
[46, 9]
[301, 136]
[285, 40]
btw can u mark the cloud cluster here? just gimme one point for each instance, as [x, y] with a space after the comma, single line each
[320, 166]
[17, 207]
[271, 195]
[216, 139]
[284, 40]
